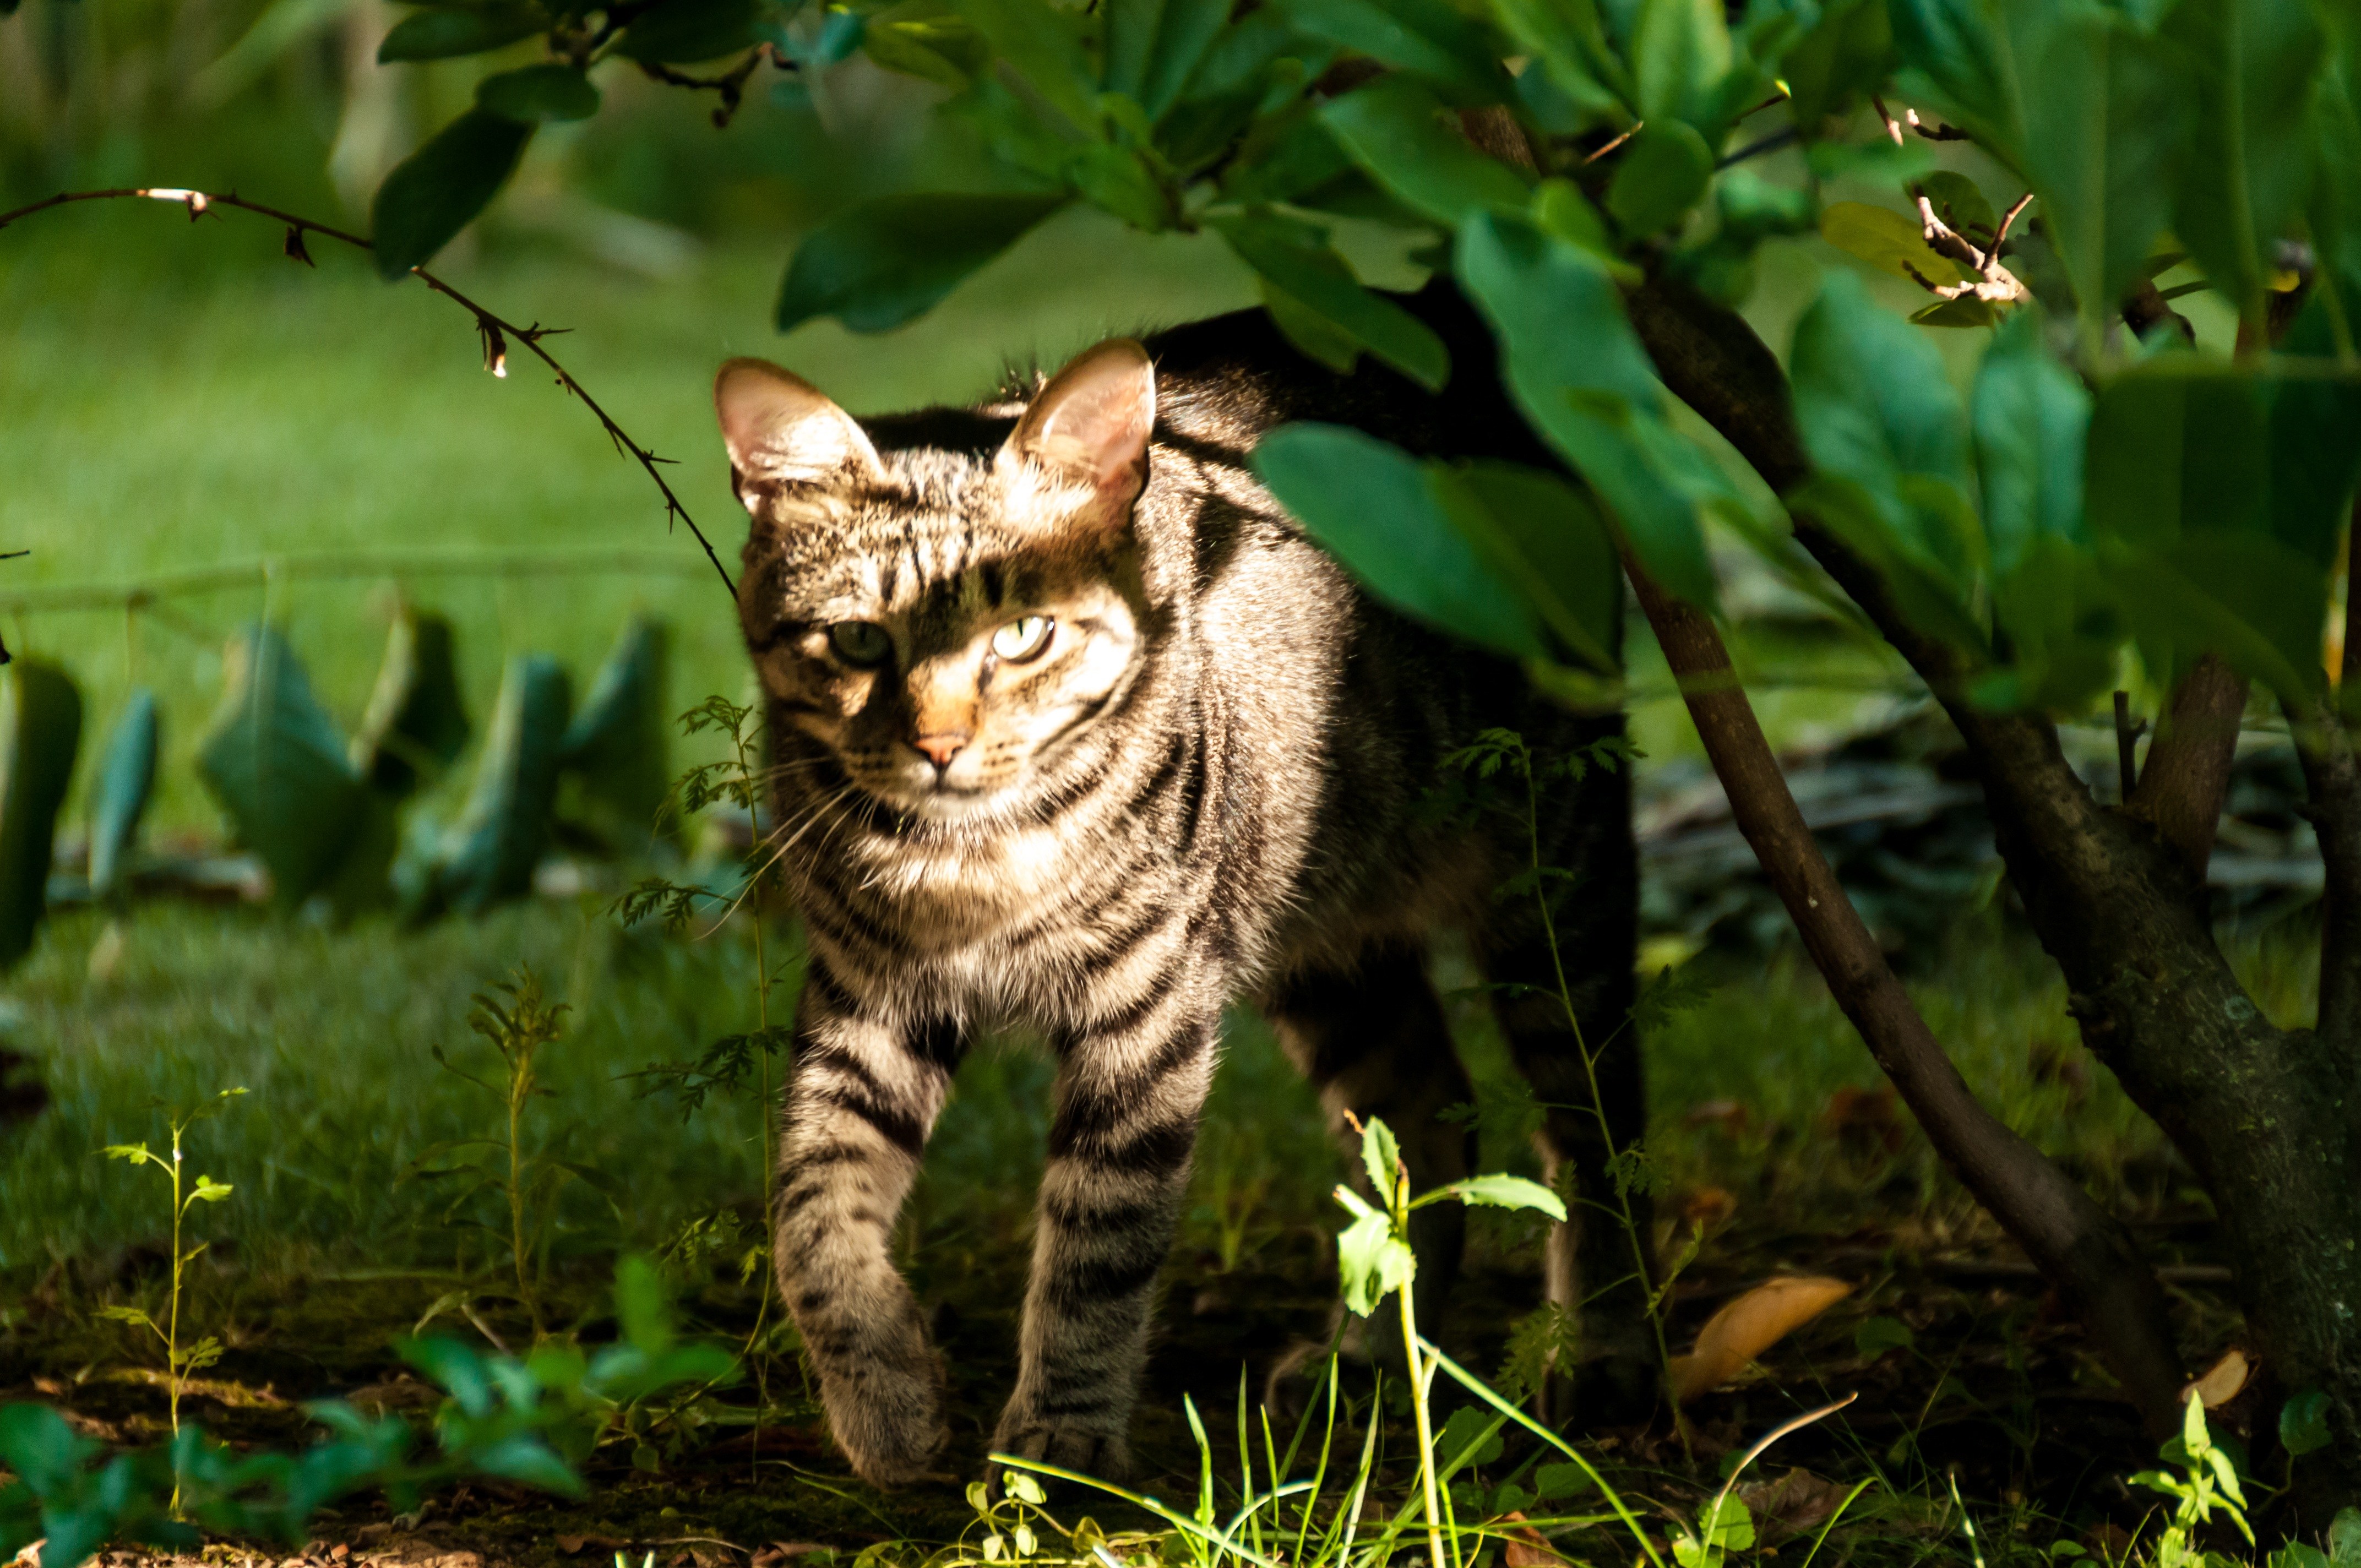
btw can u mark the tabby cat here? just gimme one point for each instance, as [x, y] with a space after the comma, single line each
[1073, 729]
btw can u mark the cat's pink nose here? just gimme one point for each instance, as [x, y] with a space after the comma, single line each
[940, 749]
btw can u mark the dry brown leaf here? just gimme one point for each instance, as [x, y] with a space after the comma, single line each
[1727, 1114]
[573, 1545]
[1796, 1504]
[1750, 1325]
[2223, 1380]
[1526, 1549]
[1706, 1207]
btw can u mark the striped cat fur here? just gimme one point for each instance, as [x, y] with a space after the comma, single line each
[1072, 729]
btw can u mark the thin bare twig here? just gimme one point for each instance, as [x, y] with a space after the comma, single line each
[1618, 141]
[1893, 125]
[730, 84]
[493, 329]
[1992, 282]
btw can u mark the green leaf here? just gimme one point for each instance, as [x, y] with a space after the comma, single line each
[1877, 409]
[641, 1310]
[1580, 375]
[616, 748]
[1680, 52]
[1507, 1192]
[1377, 510]
[1044, 45]
[275, 762]
[1961, 203]
[1887, 240]
[2078, 101]
[40, 730]
[2031, 419]
[1875, 1336]
[682, 32]
[437, 190]
[1396, 129]
[1571, 46]
[1296, 258]
[1660, 175]
[42, 1450]
[2303, 1429]
[1562, 1480]
[1153, 46]
[538, 93]
[528, 1462]
[1725, 1525]
[453, 1367]
[416, 723]
[1381, 1157]
[126, 780]
[1429, 38]
[926, 38]
[1471, 1437]
[1371, 1263]
[2344, 1537]
[1847, 54]
[439, 32]
[208, 1190]
[2245, 168]
[1546, 538]
[489, 855]
[887, 260]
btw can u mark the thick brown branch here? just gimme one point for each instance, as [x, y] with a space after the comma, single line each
[2187, 775]
[490, 328]
[2079, 1247]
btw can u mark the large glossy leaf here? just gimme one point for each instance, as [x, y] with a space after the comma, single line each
[2247, 168]
[1887, 240]
[1429, 38]
[889, 259]
[40, 730]
[1680, 51]
[439, 32]
[1043, 45]
[417, 722]
[615, 747]
[2086, 107]
[679, 32]
[1545, 536]
[1876, 406]
[126, 780]
[1395, 129]
[1377, 510]
[1153, 46]
[926, 38]
[1661, 174]
[537, 92]
[437, 190]
[1580, 375]
[489, 855]
[1568, 39]
[2031, 419]
[1845, 56]
[2335, 207]
[1296, 259]
[2207, 485]
[278, 768]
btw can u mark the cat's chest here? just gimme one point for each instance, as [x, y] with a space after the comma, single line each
[948, 899]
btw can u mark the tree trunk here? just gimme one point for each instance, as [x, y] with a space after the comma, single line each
[2270, 1119]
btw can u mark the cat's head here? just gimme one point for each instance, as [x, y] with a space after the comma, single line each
[949, 625]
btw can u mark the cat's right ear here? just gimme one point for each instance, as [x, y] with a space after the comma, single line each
[782, 429]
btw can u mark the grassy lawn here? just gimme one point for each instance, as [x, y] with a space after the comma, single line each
[172, 399]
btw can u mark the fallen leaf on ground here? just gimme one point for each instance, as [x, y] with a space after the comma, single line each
[2223, 1380]
[1750, 1325]
[1707, 1207]
[1526, 1549]
[1796, 1504]
[1727, 1114]
[572, 1544]
[1864, 1119]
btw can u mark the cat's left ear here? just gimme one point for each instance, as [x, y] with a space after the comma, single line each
[1091, 422]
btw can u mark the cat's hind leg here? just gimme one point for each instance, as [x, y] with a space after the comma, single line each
[1372, 1038]
[862, 1098]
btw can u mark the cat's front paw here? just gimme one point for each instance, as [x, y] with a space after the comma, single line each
[887, 1416]
[1096, 1445]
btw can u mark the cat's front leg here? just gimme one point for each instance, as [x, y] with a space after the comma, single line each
[1129, 1090]
[864, 1094]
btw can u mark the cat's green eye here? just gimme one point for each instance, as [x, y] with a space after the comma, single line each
[1023, 639]
[860, 643]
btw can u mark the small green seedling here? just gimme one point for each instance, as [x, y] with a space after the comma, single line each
[2208, 1483]
[180, 1361]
